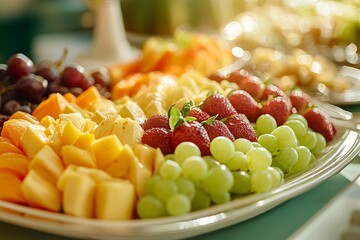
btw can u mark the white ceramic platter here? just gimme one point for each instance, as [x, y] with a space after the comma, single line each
[340, 152]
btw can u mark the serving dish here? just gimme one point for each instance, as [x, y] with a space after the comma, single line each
[340, 152]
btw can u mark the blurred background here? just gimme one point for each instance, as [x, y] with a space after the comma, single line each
[39, 28]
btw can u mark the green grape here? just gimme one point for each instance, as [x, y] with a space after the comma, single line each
[178, 204]
[201, 200]
[170, 157]
[309, 139]
[265, 124]
[222, 149]
[261, 181]
[164, 189]
[285, 158]
[211, 161]
[242, 183]
[242, 145]
[269, 142]
[170, 170]
[259, 159]
[186, 187]
[150, 184]
[299, 117]
[320, 144]
[286, 136]
[238, 162]
[194, 168]
[280, 172]
[221, 198]
[150, 207]
[218, 180]
[298, 127]
[184, 150]
[276, 177]
[304, 157]
[256, 145]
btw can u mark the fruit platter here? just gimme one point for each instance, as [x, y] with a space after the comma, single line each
[166, 146]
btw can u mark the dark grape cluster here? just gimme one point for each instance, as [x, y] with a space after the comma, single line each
[23, 85]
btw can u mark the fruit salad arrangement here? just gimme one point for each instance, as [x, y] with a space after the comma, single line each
[174, 144]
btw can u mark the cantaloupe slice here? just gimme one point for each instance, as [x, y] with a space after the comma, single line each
[11, 188]
[6, 146]
[13, 129]
[52, 106]
[16, 163]
[88, 97]
[26, 116]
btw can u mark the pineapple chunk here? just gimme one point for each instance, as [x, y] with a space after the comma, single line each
[105, 150]
[84, 141]
[77, 156]
[79, 195]
[128, 131]
[69, 134]
[76, 118]
[47, 121]
[146, 155]
[115, 200]
[106, 126]
[159, 159]
[47, 163]
[133, 111]
[40, 193]
[138, 175]
[121, 165]
[54, 140]
[33, 140]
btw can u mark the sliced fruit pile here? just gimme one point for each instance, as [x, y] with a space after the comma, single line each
[96, 158]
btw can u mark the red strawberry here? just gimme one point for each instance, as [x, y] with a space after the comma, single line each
[320, 122]
[156, 121]
[217, 76]
[240, 127]
[218, 104]
[248, 82]
[192, 132]
[244, 103]
[279, 107]
[218, 128]
[199, 114]
[272, 91]
[158, 138]
[299, 99]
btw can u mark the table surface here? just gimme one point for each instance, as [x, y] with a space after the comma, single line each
[280, 222]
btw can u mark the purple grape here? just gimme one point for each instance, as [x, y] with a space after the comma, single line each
[101, 76]
[32, 88]
[56, 88]
[11, 107]
[73, 76]
[19, 65]
[47, 70]
[76, 91]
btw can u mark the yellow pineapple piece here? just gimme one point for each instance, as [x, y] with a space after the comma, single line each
[133, 111]
[146, 155]
[84, 141]
[69, 134]
[128, 131]
[159, 159]
[120, 166]
[47, 121]
[40, 193]
[79, 195]
[54, 140]
[33, 140]
[77, 156]
[48, 164]
[97, 175]
[115, 200]
[138, 175]
[76, 118]
[90, 126]
[106, 126]
[105, 150]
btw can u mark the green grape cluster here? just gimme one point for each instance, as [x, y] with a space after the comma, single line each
[292, 145]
